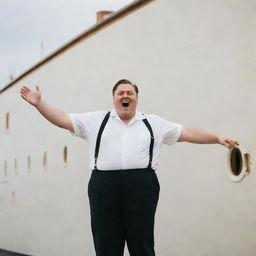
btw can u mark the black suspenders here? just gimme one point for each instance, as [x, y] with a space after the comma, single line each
[102, 126]
[151, 141]
[97, 147]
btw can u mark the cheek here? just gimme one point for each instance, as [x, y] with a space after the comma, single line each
[135, 101]
[116, 102]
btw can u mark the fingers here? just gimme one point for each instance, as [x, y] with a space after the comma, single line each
[24, 91]
[230, 143]
[31, 96]
[23, 97]
[25, 88]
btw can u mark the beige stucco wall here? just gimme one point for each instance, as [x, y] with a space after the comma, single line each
[194, 62]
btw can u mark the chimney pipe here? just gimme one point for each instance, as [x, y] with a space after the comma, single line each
[101, 15]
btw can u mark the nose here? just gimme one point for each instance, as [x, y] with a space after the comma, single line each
[125, 95]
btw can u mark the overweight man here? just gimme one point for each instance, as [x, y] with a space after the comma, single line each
[124, 147]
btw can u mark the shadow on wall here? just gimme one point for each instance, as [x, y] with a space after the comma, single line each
[8, 253]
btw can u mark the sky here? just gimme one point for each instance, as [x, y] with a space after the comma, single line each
[32, 29]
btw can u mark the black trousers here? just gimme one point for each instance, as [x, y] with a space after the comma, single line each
[123, 205]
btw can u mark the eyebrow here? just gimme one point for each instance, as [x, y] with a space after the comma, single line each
[125, 91]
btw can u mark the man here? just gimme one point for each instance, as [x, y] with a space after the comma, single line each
[124, 149]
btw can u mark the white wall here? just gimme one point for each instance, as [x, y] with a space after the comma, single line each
[194, 62]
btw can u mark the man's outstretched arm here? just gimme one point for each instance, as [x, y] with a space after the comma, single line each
[195, 135]
[54, 115]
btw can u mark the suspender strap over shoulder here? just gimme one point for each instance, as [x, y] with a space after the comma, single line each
[151, 142]
[103, 124]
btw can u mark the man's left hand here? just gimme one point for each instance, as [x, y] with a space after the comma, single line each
[227, 142]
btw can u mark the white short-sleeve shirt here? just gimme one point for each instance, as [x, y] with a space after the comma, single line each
[124, 146]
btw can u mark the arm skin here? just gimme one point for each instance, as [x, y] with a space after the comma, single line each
[195, 135]
[54, 115]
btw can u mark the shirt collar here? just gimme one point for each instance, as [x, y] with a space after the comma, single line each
[138, 115]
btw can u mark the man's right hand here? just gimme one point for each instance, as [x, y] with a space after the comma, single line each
[52, 114]
[32, 97]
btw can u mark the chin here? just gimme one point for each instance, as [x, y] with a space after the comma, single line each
[127, 112]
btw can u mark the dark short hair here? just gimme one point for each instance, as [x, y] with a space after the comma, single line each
[125, 81]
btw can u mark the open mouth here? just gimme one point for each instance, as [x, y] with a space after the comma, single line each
[125, 104]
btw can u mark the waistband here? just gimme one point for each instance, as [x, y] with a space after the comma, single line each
[134, 171]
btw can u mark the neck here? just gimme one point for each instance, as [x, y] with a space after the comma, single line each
[126, 117]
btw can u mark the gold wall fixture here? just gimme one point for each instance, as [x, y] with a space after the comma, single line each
[65, 155]
[16, 166]
[7, 121]
[44, 165]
